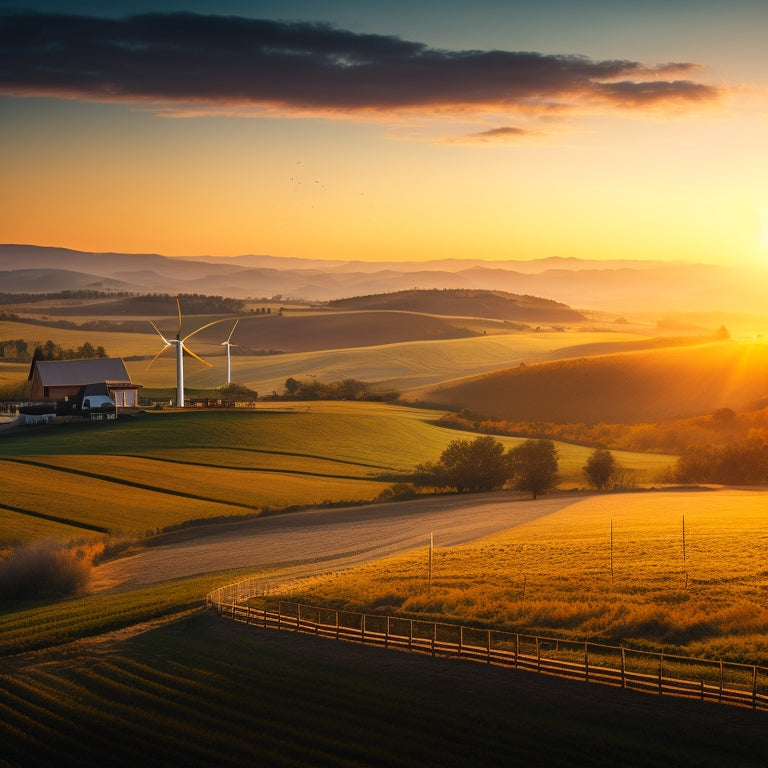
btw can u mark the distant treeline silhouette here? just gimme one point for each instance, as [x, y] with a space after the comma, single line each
[723, 447]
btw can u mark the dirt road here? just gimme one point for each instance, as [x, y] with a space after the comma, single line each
[322, 539]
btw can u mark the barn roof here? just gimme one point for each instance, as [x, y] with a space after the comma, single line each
[63, 373]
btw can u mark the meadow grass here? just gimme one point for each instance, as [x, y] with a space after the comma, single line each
[555, 576]
[164, 468]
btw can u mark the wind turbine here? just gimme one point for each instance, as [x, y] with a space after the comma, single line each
[228, 345]
[181, 348]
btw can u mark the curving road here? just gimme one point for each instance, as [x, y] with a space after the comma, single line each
[315, 540]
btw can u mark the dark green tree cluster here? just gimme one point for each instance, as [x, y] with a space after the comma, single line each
[483, 465]
[235, 391]
[16, 349]
[52, 351]
[601, 468]
[197, 303]
[346, 389]
[742, 463]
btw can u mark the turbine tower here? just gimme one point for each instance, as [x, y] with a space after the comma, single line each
[228, 345]
[181, 348]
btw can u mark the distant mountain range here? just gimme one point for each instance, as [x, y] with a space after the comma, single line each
[618, 286]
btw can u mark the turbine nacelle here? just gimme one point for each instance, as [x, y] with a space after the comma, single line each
[181, 348]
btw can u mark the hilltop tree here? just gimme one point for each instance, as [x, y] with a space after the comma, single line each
[533, 466]
[479, 465]
[600, 468]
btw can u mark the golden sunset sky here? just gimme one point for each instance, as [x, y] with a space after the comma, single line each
[397, 130]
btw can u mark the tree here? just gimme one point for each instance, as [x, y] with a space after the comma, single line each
[600, 468]
[238, 392]
[533, 466]
[479, 465]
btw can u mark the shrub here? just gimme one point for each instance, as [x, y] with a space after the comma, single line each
[45, 569]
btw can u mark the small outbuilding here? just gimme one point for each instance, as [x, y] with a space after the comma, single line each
[54, 380]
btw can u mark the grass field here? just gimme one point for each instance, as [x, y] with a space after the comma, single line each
[204, 692]
[165, 468]
[609, 567]
[400, 366]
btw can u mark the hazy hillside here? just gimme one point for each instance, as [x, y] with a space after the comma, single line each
[618, 286]
[309, 332]
[497, 305]
[628, 387]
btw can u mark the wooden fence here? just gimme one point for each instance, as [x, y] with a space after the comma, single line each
[725, 682]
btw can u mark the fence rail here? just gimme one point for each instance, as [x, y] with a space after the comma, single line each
[705, 679]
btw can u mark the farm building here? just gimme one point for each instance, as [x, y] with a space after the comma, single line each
[60, 379]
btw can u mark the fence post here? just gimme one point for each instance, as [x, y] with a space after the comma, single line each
[386, 636]
[337, 625]
[586, 663]
[362, 629]
[488, 643]
[279, 613]
[754, 687]
[538, 655]
[410, 635]
[461, 638]
[623, 668]
[720, 694]
[298, 617]
[661, 673]
[517, 648]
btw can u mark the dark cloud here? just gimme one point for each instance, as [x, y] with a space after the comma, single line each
[193, 59]
[492, 135]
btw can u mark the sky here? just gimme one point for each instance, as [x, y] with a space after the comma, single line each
[388, 131]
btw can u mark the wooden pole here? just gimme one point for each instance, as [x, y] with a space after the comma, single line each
[661, 673]
[623, 668]
[683, 538]
[586, 663]
[611, 550]
[431, 547]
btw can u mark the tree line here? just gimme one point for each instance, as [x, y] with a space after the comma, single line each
[19, 350]
[482, 464]
[344, 389]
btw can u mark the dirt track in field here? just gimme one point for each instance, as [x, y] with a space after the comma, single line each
[316, 540]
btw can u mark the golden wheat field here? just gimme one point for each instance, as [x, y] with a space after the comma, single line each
[609, 567]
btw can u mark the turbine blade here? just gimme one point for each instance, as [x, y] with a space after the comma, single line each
[158, 332]
[158, 355]
[178, 306]
[202, 328]
[197, 357]
[233, 329]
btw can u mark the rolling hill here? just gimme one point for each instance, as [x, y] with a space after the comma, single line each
[497, 305]
[618, 286]
[628, 387]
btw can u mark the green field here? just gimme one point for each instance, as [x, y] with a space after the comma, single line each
[202, 691]
[162, 469]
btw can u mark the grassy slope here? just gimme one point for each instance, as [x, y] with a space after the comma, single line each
[271, 699]
[623, 388]
[165, 468]
[402, 367]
